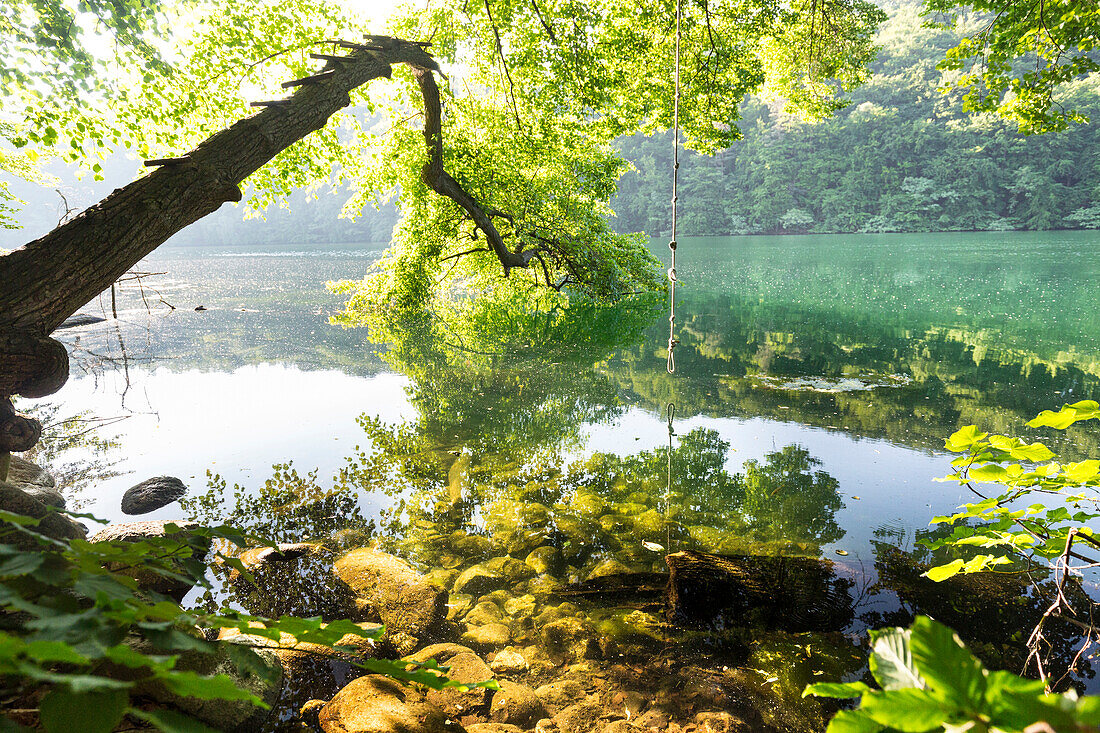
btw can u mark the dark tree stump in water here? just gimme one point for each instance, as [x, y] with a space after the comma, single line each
[715, 592]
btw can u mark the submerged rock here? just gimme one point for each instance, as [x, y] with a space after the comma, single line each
[152, 494]
[404, 600]
[516, 704]
[508, 661]
[377, 704]
[583, 717]
[488, 637]
[512, 569]
[572, 639]
[545, 559]
[484, 613]
[478, 580]
[608, 567]
[238, 716]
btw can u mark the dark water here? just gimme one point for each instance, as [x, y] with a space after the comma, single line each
[817, 379]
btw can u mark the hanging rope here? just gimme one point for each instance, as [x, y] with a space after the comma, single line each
[673, 342]
[671, 410]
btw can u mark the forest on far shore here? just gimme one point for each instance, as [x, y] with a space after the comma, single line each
[902, 157]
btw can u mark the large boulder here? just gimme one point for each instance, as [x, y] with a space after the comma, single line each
[152, 494]
[35, 481]
[16, 498]
[138, 531]
[405, 601]
[377, 704]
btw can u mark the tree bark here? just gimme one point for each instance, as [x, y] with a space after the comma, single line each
[47, 280]
[440, 181]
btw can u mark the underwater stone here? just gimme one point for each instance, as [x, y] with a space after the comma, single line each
[469, 668]
[561, 694]
[650, 523]
[545, 559]
[582, 717]
[493, 728]
[488, 637]
[572, 639]
[470, 545]
[617, 523]
[720, 722]
[516, 704]
[377, 704]
[588, 503]
[508, 661]
[443, 577]
[608, 567]
[521, 541]
[512, 569]
[152, 494]
[535, 514]
[543, 585]
[483, 613]
[458, 605]
[404, 600]
[478, 580]
[521, 607]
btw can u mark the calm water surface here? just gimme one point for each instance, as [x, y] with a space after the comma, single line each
[817, 379]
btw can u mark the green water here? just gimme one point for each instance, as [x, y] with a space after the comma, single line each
[817, 377]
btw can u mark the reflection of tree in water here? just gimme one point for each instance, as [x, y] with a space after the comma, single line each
[744, 356]
[993, 612]
[288, 508]
[510, 375]
[72, 450]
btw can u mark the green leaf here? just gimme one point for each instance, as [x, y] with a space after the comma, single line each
[963, 438]
[170, 721]
[989, 473]
[853, 721]
[946, 664]
[217, 687]
[1081, 472]
[907, 710]
[53, 651]
[836, 689]
[941, 573]
[64, 711]
[1069, 414]
[892, 660]
[23, 563]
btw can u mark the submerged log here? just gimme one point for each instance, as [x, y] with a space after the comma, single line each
[791, 593]
[715, 592]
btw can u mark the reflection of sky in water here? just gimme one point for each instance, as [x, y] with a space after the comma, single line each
[235, 423]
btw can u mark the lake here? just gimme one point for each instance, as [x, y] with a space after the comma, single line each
[817, 378]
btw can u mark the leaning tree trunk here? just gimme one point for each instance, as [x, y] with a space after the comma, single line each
[47, 280]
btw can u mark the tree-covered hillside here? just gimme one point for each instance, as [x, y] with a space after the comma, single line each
[902, 157]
